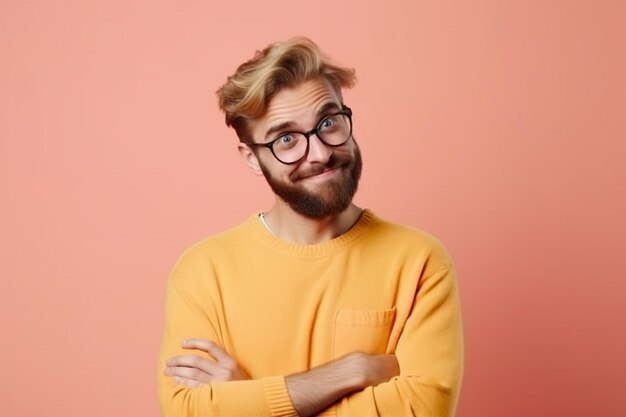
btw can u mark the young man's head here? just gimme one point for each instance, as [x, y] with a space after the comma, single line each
[287, 109]
[246, 94]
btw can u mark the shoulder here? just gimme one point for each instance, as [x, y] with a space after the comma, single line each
[403, 234]
[223, 245]
[406, 240]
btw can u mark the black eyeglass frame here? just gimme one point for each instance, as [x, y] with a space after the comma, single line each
[347, 111]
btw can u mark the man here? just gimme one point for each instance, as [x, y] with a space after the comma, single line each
[315, 306]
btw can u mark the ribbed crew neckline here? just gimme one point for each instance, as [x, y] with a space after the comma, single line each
[313, 250]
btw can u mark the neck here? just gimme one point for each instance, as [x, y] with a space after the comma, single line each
[292, 226]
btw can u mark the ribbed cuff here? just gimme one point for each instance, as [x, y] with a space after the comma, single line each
[278, 397]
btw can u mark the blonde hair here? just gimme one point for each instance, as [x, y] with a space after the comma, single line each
[246, 94]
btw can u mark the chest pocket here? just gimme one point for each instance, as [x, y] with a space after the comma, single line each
[362, 331]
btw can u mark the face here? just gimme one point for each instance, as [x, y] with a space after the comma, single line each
[324, 182]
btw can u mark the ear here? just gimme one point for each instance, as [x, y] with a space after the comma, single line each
[250, 158]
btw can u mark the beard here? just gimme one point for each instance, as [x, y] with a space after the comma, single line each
[336, 195]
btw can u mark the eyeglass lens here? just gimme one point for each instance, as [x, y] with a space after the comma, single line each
[333, 130]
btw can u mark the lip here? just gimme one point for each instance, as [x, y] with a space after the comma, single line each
[322, 176]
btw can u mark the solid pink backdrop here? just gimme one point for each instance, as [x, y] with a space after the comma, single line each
[497, 126]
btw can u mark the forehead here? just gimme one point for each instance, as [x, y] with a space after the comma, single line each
[298, 105]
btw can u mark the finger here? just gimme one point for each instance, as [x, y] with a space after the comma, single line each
[188, 373]
[211, 348]
[199, 375]
[186, 382]
[194, 361]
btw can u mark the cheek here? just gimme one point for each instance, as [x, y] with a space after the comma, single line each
[280, 173]
[348, 154]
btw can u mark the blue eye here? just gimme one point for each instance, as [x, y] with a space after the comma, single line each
[286, 141]
[326, 123]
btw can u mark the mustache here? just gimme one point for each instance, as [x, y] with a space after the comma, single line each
[333, 162]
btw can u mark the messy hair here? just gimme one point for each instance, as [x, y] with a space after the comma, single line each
[246, 94]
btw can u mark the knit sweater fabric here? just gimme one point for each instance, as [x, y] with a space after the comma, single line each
[280, 308]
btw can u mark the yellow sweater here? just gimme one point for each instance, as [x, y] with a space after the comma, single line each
[280, 308]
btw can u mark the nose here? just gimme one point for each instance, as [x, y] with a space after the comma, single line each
[318, 151]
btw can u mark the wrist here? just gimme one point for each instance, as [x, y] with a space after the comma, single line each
[356, 370]
[367, 370]
[314, 390]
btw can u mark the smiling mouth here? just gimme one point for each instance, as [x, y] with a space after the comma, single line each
[326, 172]
[323, 172]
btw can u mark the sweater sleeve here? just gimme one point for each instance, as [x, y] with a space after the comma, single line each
[261, 397]
[430, 355]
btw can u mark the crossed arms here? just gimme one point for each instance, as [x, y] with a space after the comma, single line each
[421, 377]
[310, 391]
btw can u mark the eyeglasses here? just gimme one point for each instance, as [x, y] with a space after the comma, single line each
[290, 147]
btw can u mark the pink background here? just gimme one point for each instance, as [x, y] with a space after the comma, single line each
[497, 126]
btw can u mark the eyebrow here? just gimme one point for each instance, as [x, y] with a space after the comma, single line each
[326, 109]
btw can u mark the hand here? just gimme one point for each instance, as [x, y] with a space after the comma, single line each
[314, 390]
[375, 369]
[194, 370]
